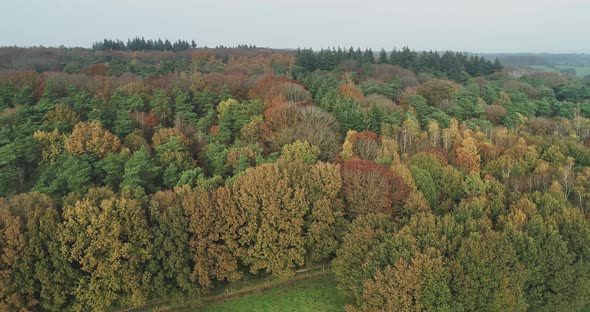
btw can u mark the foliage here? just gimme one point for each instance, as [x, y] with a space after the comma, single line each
[431, 181]
[91, 138]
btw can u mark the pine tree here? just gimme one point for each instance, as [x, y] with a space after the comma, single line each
[383, 59]
[185, 114]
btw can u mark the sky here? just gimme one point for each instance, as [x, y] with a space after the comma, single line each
[462, 25]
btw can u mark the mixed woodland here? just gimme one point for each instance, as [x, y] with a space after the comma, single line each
[428, 181]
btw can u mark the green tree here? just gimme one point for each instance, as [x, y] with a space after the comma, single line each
[469, 104]
[487, 274]
[351, 265]
[173, 156]
[123, 99]
[185, 112]
[350, 115]
[112, 169]
[171, 243]
[18, 161]
[162, 107]
[141, 173]
[123, 124]
[7, 92]
[215, 154]
[67, 174]
[383, 59]
[426, 186]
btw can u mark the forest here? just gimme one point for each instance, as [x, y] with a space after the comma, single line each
[427, 181]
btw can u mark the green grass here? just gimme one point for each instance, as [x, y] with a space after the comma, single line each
[581, 71]
[317, 294]
[542, 67]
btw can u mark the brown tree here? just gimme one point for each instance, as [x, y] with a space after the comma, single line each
[212, 258]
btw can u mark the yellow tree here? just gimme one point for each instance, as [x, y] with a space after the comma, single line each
[12, 242]
[467, 154]
[91, 138]
[107, 237]
[35, 275]
[450, 134]
[433, 134]
[165, 134]
[325, 215]
[62, 117]
[348, 145]
[52, 144]
[272, 236]
[211, 257]
[420, 284]
[322, 184]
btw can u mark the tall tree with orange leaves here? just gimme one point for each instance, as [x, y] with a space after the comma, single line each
[92, 138]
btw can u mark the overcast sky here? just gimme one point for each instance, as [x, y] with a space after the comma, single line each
[461, 25]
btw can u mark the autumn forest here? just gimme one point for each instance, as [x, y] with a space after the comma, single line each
[424, 181]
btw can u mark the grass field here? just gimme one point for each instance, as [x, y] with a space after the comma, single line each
[317, 294]
[542, 67]
[581, 71]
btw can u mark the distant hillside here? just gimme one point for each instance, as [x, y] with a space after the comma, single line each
[574, 63]
[540, 59]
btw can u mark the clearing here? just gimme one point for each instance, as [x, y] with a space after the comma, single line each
[312, 289]
[314, 293]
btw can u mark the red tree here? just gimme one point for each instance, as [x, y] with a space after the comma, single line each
[369, 187]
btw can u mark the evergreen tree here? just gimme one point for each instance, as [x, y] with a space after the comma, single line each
[383, 59]
[185, 114]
